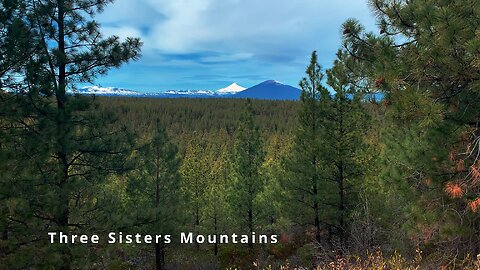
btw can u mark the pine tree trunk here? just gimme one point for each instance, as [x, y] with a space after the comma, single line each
[162, 255]
[197, 221]
[341, 193]
[62, 131]
[341, 182]
[251, 196]
[158, 257]
[316, 207]
[215, 227]
[316, 210]
[250, 223]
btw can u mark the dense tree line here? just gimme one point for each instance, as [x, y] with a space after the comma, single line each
[184, 115]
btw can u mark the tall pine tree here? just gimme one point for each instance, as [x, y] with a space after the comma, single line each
[248, 156]
[306, 185]
[66, 149]
[345, 141]
[424, 58]
[154, 190]
[195, 172]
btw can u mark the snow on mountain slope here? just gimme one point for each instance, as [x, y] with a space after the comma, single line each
[108, 91]
[231, 89]
[189, 92]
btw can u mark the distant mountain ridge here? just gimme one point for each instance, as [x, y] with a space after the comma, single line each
[112, 91]
[270, 89]
[188, 93]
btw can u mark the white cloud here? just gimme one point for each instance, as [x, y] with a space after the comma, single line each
[184, 25]
[135, 13]
[253, 26]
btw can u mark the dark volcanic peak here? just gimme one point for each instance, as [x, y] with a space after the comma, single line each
[271, 89]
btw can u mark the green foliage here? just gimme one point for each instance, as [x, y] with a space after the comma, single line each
[271, 197]
[207, 117]
[425, 60]
[154, 205]
[306, 185]
[346, 156]
[63, 150]
[195, 174]
[154, 186]
[205, 176]
[216, 208]
[248, 156]
[328, 157]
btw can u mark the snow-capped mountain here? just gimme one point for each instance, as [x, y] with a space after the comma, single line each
[231, 89]
[106, 91]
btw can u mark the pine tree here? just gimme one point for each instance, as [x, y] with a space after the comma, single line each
[154, 190]
[271, 198]
[66, 149]
[195, 170]
[425, 61]
[248, 156]
[215, 210]
[306, 185]
[345, 140]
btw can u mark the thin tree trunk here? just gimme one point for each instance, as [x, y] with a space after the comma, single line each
[251, 195]
[341, 193]
[316, 210]
[316, 207]
[162, 255]
[250, 223]
[197, 221]
[341, 183]
[215, 227]
[62, 132]
[159, 256]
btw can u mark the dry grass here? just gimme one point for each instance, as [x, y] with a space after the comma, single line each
[377, 261]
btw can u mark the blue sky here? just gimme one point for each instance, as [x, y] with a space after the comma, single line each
[208, 44]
